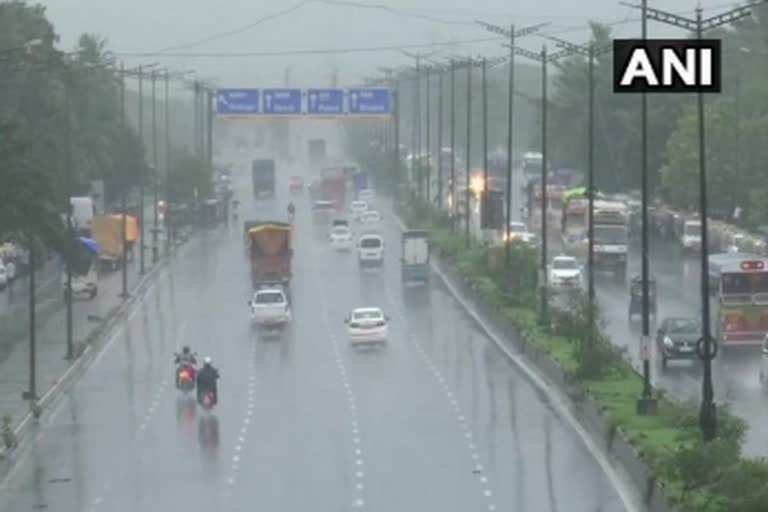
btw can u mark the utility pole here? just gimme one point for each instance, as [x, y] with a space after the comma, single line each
[167, 161]
[68, 193]
[484, 222]
[32, 393]
[707, 346]
[396, 145]
[124, 294]
[155, 250]
[591, 52]
[142, 173]
[440, 140]
[427, 144]
[467, 192]
[208, 97]
[453, 145]
[512, 34]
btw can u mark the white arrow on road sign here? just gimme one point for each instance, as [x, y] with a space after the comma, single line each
[222, 99]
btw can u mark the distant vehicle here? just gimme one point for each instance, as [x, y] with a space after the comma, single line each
[366, 195]
[83, 212]
[532, 163]
[676, 338]
[356, 208]
[691, 236]
[85, 278]
[323, 211]
[367, 326]
[370, 251]
[340, 222]
[270, 308]
[317, 151]
[370, 217]
[359, 182]
[333, 187]
[341, 238]
[3, 276]
[636, 296]
[415, 257]
[295, 183]
[611, 233]
[519, 231]
[565, 271]
[263, 177]
[107, 230]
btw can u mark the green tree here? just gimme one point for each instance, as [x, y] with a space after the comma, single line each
[189, 174]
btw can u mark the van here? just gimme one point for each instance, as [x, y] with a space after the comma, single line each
[83, 211]
[370, 251]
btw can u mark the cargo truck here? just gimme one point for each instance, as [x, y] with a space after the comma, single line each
[415, 258]
[270, 253]
[359, 183]
[574, 223]
[107, 231]
[263, 175]
[611, 234]
[334, 188]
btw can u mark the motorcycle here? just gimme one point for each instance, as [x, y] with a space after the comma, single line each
[185, 377]
[207, 400]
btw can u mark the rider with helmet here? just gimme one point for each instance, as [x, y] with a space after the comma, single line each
[206, 381]
[185, 359]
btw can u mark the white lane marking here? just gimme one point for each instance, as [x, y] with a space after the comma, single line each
[358, 502]
[243, 438]
[619, 480]
[443, 384]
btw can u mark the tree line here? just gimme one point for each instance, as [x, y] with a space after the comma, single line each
[63, 110]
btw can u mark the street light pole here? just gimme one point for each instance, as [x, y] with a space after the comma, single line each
[427, 141]
[142, 172]
[32, 394]
[124, 193]
[510, 132]
[544, 299]
[440, 140]
[396, 145]
[467, 206]
[167, 162]
[68, 192]
[484, 222]
[155, 250]
[707, 347]
[453, 145]
[208, 98]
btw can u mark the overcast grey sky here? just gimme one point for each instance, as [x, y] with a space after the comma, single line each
[134, 26]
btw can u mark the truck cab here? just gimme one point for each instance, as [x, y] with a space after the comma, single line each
[415, 257]
[690, 238]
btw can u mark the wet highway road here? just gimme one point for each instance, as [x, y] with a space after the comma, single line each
[437, 420]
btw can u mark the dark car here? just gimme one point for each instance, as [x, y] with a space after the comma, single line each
[677, 338]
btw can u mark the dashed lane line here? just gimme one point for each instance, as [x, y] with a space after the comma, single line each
[466, 429]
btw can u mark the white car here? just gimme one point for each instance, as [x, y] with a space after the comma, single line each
[341, 238]
[270, 308]
[356, 208]
[370, 249]
[367, 326]
[3, 276]
[565, 271]
[365, 195]
[519, 231]
[370, 217]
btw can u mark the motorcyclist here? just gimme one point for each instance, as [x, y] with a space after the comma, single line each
[206, 381]
[186, 357]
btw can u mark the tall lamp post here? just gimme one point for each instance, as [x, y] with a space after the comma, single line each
[707, 346]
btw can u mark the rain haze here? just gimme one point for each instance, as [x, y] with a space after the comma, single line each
[339, 255]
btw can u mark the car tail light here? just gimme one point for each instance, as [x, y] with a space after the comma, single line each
[185, 375]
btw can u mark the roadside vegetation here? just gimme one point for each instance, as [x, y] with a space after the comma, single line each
[33, 121]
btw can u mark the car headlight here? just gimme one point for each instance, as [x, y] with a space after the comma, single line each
[668, 342]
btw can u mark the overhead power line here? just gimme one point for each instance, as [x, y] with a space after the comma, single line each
[326, 51]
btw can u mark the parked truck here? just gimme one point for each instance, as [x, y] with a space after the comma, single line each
[611, 236]
[107, 231]
[263, 175]
[415, 257]
[270, 253]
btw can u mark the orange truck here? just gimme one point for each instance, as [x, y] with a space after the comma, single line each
[107, 230]
[270, 252]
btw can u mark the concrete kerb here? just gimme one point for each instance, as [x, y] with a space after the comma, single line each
[89, 349]
[607, 444]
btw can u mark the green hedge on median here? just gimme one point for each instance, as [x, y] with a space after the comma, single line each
[697, 476]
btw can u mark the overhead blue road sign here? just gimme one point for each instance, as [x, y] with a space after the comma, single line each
[370, 101]
[282, 102]
[237, 101]
[325, 102]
